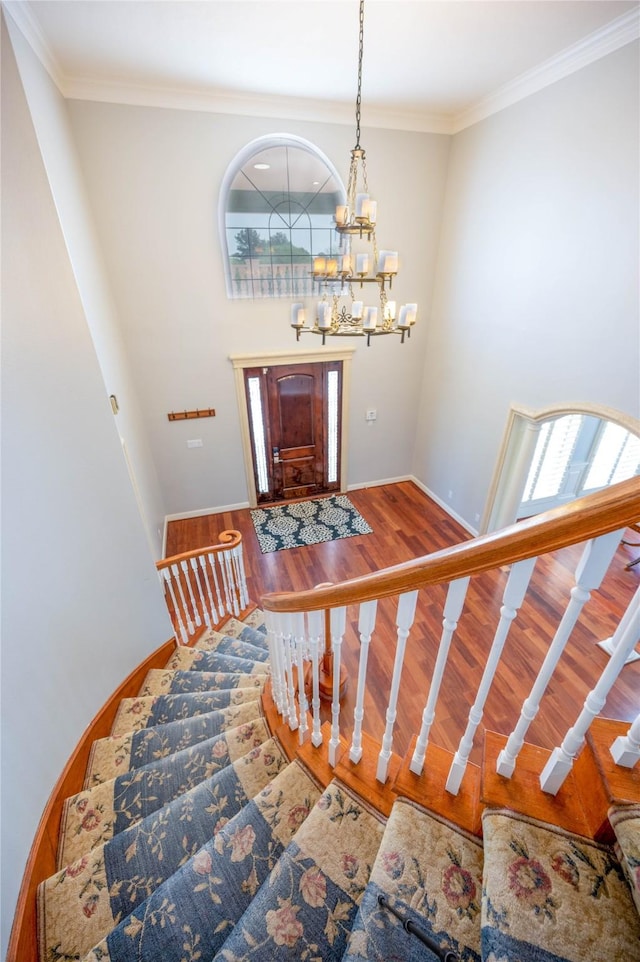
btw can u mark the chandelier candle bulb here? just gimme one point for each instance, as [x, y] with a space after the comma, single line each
[346, 264]
[412, 311]
[332, 266]
[370, 319]
[324, 316]
[342, 215]
[390, 311]
[388, 262]
[319, 265]
[362, 206]
[362, 264]
[373, 211]
[356, 310]
[298, 315]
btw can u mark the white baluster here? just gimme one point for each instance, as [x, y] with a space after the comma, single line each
[299, 636]
[225, 563]
[212, 564]
[212, 608]
[626, 748]
[591, 569]
[166, 574]
[561, 760]
[452, 610]
[514, 593]
[175, 570]
[315, 621]
[404, 620]
[338, 622]
[194, 607]
[273, 622]
[241, 577]
[288, 660]
[366, 624]
[225, 584]
[203, 602]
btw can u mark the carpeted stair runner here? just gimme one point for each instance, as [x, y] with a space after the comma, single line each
[431, 871]
[247, 639]
[550, 896]
[97, 814]
[135, 714]
[194, 910]
[83, 902]
[625, 821]
[159, 681]
[195, 839]
[118, 754]
[306, 907]
[192, 659]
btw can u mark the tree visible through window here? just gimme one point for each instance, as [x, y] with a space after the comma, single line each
[278, 204]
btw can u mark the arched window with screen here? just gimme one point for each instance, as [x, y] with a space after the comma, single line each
[277, 207]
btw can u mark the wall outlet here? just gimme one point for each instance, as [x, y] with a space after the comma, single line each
[371, 415]
[194, 443]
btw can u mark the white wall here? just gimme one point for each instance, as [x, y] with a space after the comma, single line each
[153, 177]
[536, 298]
[49, 115]
[81, 603]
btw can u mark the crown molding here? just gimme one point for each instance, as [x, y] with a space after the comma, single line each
[21, 14]
[252, 105]
[618, 33]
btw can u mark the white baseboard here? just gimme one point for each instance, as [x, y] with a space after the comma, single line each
[378, 484]
[446, 507]
[201, 512]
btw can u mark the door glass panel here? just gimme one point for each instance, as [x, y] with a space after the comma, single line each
[332, 427]
[257, 426]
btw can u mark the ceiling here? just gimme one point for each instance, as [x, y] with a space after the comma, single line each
[427, 65]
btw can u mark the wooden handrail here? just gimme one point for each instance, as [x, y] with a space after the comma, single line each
[228, 539]
[614, 507]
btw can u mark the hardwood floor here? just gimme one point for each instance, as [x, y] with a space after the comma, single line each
[406, 524]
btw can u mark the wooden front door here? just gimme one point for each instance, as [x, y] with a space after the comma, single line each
[295, 429]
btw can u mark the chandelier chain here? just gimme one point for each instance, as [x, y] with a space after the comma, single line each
[359, 95]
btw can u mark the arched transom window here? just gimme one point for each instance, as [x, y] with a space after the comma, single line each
[277, 208]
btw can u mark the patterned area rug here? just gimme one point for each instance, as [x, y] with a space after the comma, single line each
[307, 522]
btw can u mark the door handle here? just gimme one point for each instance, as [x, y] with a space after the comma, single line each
[276, 455]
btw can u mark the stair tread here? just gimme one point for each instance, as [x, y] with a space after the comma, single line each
[117, 754]
[237, 860]
[148, 711]
[192, 659]
[163, 681]
[625, 821]
[550, 893]
[312, 895]
[431, 871]
[237, 630]
[80, 904]
[96, 814]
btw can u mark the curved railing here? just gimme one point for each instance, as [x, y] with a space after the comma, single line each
[204, 586]
[296, 628]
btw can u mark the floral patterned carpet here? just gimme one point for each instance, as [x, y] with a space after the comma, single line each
[195, 839]
[307, 522]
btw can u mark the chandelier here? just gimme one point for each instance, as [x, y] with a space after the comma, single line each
[341, 278]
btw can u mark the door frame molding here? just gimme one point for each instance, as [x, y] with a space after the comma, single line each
[276, 359]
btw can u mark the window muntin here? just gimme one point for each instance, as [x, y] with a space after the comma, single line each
[277, 217]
